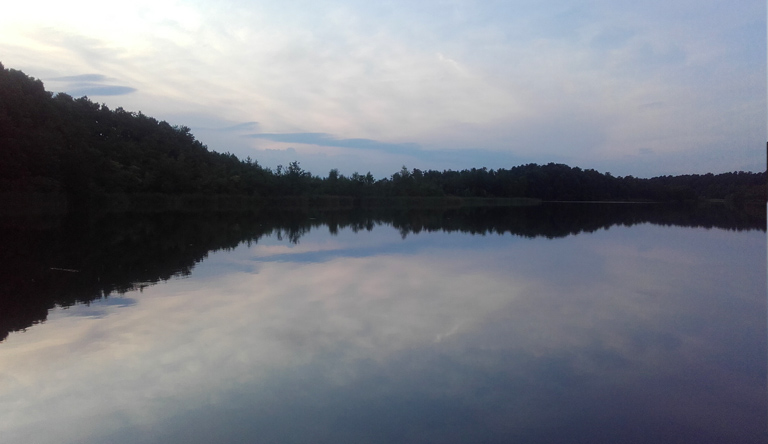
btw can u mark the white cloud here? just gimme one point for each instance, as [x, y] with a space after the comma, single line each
[452, 76]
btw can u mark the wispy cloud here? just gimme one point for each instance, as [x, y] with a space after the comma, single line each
[245, 126]
[83, 78]
[322, 139]
[90, 85]
[100, 90]
[545, 81]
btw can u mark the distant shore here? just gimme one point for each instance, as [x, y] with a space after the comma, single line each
[12, 204]
[42, 203]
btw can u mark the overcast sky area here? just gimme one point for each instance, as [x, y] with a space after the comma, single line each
[632, 88]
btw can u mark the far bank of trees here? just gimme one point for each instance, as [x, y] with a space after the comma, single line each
[60, 144]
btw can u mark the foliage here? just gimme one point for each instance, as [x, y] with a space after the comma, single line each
[58, 144]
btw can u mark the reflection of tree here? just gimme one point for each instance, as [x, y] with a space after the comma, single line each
[116, 253]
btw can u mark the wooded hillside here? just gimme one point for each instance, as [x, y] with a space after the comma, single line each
[54, 143]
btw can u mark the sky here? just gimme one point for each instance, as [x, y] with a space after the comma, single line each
[632, 88]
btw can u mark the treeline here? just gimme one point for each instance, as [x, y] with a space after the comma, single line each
[54, 143]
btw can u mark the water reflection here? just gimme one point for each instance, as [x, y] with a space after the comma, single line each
[84, 257]
[634, 334]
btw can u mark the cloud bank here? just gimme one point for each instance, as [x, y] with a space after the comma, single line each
[658, 88]
[88, 85]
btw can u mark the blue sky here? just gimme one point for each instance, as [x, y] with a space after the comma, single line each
[641, 88]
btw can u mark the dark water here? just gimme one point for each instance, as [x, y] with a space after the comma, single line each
[551, 324]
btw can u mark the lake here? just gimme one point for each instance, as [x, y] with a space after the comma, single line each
[558, 323]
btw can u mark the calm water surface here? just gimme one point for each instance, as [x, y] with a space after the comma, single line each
[323, 328]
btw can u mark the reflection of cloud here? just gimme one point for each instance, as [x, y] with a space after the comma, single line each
[290, 320]
[294, 320]
[271, 251]
[518, 324]
[100, 308]
[652, 105]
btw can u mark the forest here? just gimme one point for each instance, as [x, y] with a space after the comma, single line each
[58, 144]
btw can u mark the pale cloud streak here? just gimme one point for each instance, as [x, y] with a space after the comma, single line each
[89, 85]
[469, 81]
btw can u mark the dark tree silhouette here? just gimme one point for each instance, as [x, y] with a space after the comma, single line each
[58, 144]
